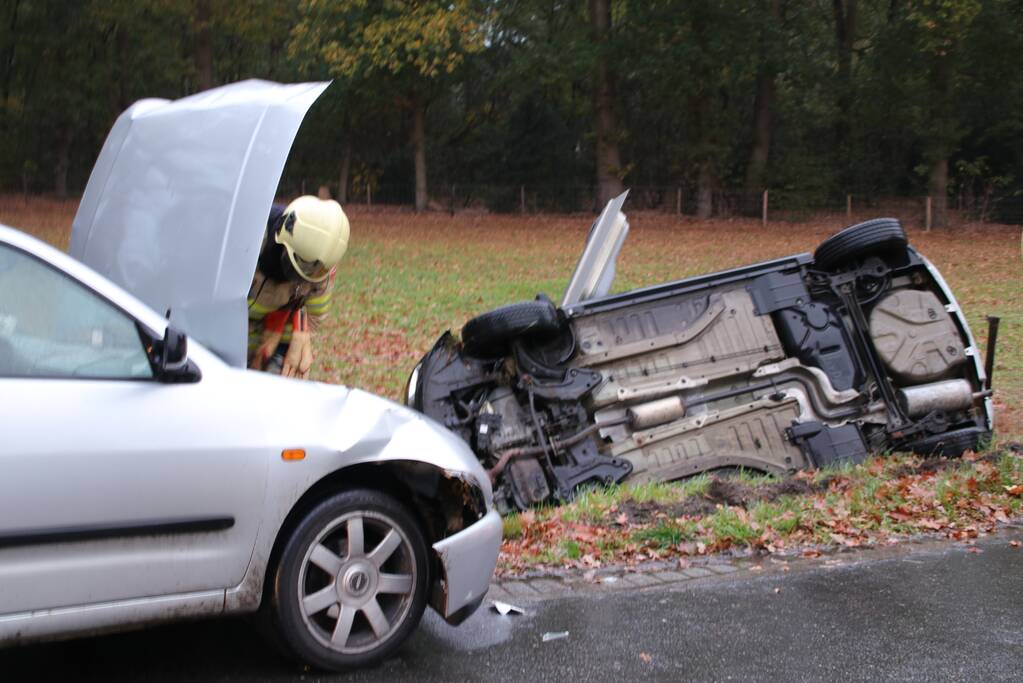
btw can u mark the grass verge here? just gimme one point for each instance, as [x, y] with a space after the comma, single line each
[882, 501]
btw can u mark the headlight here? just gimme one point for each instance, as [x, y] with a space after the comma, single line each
[411, 385]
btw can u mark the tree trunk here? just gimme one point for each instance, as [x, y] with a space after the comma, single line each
[845, 37]
[346, 167]
[609, 164]
[63, 162]
[203, 45]
[9, 58]
[705, 191]
[942, 144]
[763, 123]
[938, 190]
[419, 151]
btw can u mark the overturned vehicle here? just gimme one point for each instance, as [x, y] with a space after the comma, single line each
[798, 362]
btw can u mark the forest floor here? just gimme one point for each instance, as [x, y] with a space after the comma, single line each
[407, 278]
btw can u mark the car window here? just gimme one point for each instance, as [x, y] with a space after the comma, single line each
[53, 326]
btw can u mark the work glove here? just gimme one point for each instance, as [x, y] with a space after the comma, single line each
[273, 329]
[299, 357]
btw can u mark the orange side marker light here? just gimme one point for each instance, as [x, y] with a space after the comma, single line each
[293, 454]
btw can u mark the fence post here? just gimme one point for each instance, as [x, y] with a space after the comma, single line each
[763, 210]
[522, 199]
[369, 195]
[678, 201]
[927, 215]
[848, 206]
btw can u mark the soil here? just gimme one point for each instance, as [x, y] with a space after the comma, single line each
[725, 490]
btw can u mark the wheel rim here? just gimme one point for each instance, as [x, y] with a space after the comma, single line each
[357, 582]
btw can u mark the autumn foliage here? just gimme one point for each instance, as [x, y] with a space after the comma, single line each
[884, 501]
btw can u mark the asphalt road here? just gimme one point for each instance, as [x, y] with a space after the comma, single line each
[934, 613]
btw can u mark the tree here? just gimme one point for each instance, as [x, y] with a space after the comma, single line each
[609, 163]
[845, 22]
[763, 107]
[940, 27]
[410, 47]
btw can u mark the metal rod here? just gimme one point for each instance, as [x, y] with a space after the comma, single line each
[508, 455]
[992, 341]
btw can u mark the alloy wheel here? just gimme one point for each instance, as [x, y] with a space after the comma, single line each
[357, 581]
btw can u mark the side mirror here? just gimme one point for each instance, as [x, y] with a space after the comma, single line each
[172, 364]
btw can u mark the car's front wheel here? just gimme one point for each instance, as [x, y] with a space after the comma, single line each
[352, 580]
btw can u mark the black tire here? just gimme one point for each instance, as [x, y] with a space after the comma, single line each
[489, 334]
[951, 444]
[871, 238]
[307, 624]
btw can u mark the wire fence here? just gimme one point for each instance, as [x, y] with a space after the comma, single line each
[767, 206]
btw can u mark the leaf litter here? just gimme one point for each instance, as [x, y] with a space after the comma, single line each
[885, 500]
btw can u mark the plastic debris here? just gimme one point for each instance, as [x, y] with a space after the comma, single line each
[554, 635]
[503, 608]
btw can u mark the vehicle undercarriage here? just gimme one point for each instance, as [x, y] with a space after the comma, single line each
[804, 361]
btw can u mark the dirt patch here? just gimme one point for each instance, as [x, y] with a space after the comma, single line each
[721, 491]
[726, 492]
[939, 464]
[644, 513]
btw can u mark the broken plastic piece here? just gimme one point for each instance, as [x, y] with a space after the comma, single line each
[554, 635]
[503, 608]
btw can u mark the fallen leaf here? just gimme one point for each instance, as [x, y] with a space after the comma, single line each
[974, 550]
[777, 590]
[1014, 544]
[1016, 490]
[645, 657]
[622, 519]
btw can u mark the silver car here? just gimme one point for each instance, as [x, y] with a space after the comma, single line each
[148, 476]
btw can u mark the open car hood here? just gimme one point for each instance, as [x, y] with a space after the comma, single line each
[177, 203]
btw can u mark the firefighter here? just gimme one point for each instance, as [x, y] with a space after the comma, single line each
[290, 293]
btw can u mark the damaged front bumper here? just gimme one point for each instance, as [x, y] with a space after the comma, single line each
[467, 560]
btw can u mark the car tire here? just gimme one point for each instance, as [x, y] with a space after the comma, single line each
[352, 581]
[951, 444]
[870, 238]
[489, 334]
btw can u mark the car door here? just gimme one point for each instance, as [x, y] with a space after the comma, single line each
[113, 484]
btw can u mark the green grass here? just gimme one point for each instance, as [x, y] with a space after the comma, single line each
[667, 533]
[407, 278]
[886, 497]
[512, 526]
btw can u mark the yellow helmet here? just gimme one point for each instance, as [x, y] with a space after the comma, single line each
[314, 232]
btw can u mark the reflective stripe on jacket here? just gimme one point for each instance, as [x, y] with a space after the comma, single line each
[267, 296]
